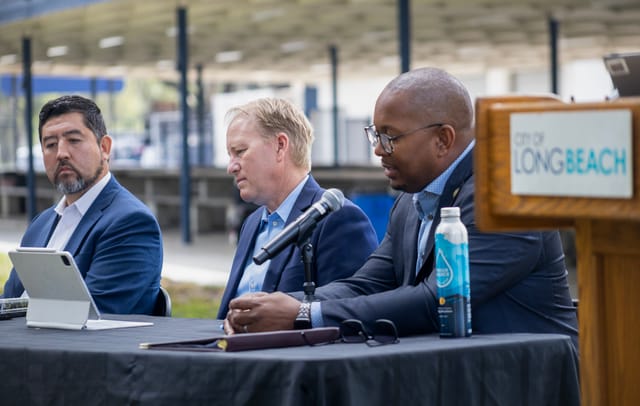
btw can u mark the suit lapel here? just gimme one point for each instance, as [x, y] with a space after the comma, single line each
[49, 224]
[91, 217]
[244, 251]
[448, 198]
[308, 195]
[412, 227]
[37, 235]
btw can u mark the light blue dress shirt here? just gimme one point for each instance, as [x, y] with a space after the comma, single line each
[426, 203]
[270, 226]
[70, 216]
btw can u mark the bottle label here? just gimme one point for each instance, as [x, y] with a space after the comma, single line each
[452, 277]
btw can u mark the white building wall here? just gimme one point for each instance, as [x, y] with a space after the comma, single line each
[585, 80]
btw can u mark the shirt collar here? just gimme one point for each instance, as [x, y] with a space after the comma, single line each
[284, 210]
[87, 199]
[423, 200]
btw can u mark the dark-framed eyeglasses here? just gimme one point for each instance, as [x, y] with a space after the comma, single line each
[384, 332]
[375, 137]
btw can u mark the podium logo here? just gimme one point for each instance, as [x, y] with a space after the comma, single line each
[579, 161]
[574, 153]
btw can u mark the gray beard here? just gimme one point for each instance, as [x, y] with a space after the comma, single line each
[80, 184]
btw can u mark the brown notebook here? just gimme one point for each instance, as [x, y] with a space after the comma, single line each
[252, 341]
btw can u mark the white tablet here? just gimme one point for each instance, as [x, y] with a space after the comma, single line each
[58, 295]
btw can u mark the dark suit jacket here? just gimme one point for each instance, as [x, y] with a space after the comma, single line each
[341, 243]
[117, 247]
[518, 280]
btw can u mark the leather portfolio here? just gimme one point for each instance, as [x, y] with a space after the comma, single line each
[252, 341]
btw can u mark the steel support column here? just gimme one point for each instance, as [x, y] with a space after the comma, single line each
[27, 87]
[333, 54]
[553, 49]
[185, 173]
[404, 35]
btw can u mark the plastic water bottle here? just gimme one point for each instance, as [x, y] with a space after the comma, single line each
[452, 275]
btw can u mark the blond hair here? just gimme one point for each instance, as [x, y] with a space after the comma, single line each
[276, 115]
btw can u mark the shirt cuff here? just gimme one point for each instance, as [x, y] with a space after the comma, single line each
[316, 315]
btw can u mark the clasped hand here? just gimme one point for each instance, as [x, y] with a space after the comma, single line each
[261, 311]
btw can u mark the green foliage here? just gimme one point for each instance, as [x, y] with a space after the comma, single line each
[189, 300]
[5, 268]
[195, 309]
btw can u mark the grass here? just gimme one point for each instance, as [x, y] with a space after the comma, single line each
[5, 268]
[188, 300]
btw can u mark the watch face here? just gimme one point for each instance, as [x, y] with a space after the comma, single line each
[302, 323]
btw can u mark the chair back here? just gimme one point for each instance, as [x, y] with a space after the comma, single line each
[163, 304]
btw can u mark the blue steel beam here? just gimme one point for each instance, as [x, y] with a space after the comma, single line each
[28, 124]
[185, 173]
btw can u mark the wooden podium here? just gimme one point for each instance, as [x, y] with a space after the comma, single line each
[607, 241]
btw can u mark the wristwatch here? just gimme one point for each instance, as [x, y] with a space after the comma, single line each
[303, 319]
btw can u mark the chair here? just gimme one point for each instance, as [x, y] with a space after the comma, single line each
[163, 303]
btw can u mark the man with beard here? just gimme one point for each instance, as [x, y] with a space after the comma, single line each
[113, 237]
[423, 133]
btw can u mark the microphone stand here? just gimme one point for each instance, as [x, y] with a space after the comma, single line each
[303, 319]
[309, 286]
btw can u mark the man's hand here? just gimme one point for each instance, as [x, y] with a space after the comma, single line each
[261, 311]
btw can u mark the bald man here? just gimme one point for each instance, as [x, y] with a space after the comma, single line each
[423, 133]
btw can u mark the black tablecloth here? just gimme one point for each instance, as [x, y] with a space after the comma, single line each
[57, 367]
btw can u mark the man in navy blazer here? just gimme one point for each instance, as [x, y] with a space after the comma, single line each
[114, 238]
[269, 144]
[423, 134]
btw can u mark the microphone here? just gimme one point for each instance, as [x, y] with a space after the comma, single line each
[331, 200]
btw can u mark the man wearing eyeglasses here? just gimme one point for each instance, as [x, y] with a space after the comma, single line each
[423, 133]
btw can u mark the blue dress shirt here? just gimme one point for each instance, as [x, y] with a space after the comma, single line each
[270, 226]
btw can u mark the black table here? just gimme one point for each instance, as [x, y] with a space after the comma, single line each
[57, 367]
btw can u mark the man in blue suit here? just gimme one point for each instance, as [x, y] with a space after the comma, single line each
[424, 135]
[113, 237]
[269, 145]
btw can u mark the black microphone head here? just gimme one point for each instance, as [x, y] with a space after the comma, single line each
[334, 199]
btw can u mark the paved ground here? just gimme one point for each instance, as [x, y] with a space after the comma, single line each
[205, 261]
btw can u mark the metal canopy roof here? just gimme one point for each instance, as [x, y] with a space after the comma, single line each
[255, 40]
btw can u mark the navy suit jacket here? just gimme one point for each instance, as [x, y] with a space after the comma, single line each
[117, 247]
[518, 280]
[341, 243]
